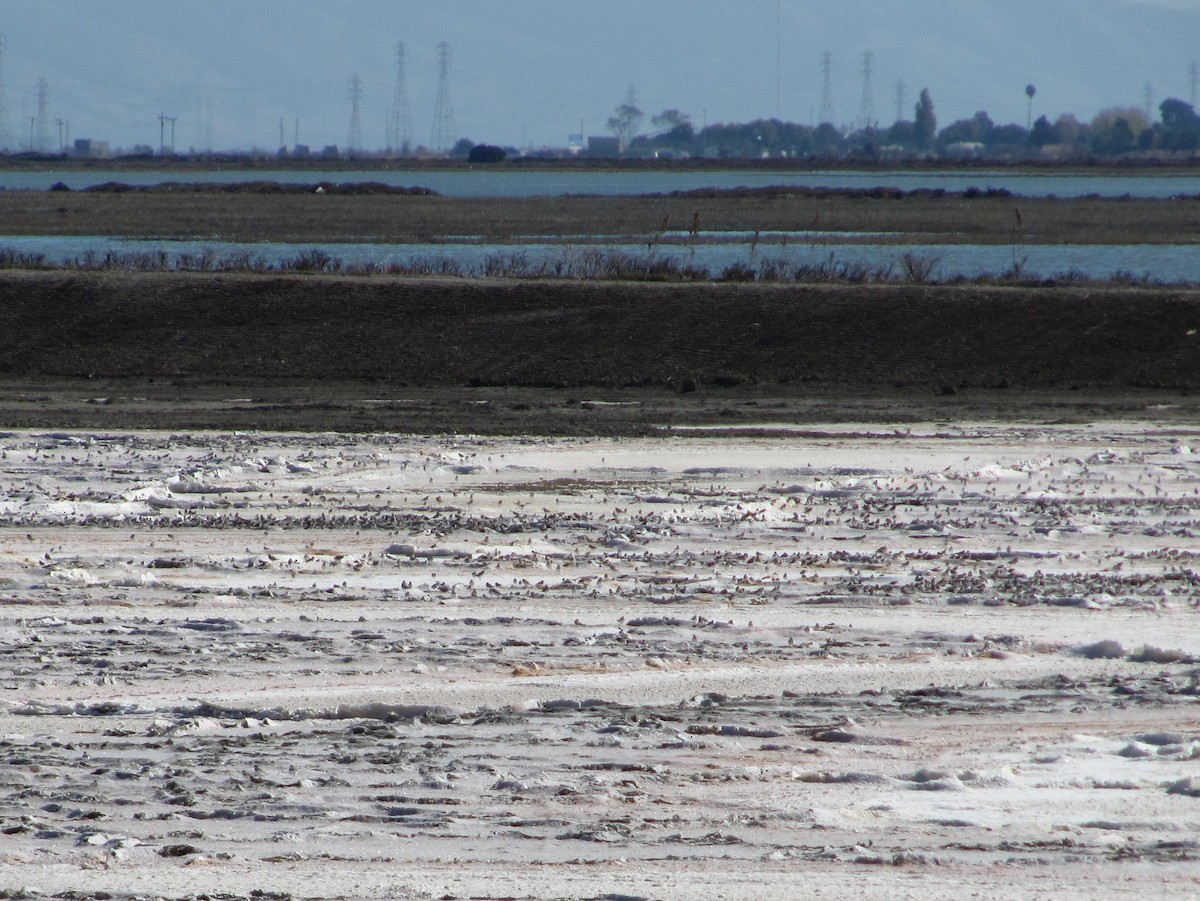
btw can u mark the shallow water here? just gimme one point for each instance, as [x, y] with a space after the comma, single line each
[507, 183]
[1160, 262]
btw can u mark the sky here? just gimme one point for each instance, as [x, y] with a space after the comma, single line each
[531, 72]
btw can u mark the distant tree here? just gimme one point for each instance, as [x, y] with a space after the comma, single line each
[753, 139]
[977, 129]
[1042, 132]
[486, 153]
[675, 131]
[925, 121]
[462, 147]
[1103, 139]
[1121, 138]
[1181, 125]
[1010, 135]
[827, 140]
[1151, 138]
[1069, 130]
[670, 119]
[902, 133]
[628, 116]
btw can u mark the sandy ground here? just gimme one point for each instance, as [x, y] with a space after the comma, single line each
[926, 662]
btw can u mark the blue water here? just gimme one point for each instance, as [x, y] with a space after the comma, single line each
[550, 182]
[1161, 262]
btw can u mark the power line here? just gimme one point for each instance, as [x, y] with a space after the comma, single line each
[827, 91]
[400, 119]
[443, 111]
[354, 141]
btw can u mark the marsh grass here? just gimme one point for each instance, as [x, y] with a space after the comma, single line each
[575, 264]
[917, 268]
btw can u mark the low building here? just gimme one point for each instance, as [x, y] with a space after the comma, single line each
[603, 146]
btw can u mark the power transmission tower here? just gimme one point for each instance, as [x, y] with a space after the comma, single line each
[42, 140]
[400, 118]
[443, 112]
[901, 87]
[6, 135]
[866, 108]
[1193, 73]
[827, 90]
[354, 142]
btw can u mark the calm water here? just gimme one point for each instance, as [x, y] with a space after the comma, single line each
[1170, 262]
[507, 183]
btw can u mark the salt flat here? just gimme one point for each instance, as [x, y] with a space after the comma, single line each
[858, 661]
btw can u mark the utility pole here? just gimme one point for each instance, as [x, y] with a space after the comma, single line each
[61, 146]
[282, 146]
[901, 87]
[1149, 98]
[826, 114]
[162, 140]
[356, 93]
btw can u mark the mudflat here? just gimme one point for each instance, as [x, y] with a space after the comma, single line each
[267, 212]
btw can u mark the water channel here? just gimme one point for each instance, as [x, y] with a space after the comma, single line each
[483, 182]
[1158, 262]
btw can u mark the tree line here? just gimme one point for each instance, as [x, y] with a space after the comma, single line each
[1114, 132]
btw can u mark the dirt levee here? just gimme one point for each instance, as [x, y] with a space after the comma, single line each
[537, 333]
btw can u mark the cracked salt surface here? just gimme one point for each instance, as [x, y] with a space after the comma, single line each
[389, 666]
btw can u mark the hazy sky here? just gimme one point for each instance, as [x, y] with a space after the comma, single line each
[528, 71]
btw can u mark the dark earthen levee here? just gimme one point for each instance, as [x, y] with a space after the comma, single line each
[568, 334]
